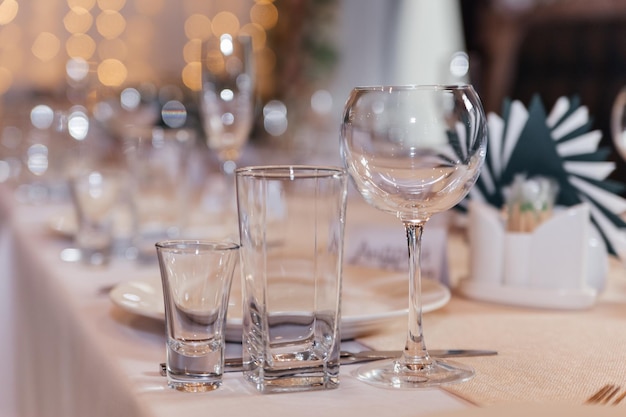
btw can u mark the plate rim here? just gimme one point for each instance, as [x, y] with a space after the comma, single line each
[351, 326]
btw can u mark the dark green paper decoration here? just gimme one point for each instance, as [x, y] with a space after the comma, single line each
[536, 154]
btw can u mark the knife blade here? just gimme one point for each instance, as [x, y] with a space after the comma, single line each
[347, 358]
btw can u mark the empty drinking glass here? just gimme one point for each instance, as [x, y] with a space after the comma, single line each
[291, 221]
[95, 194]
[157, 159]
[196, 277]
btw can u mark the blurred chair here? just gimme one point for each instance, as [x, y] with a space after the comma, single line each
[555, 47]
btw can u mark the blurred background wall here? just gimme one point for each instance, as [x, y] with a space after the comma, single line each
[44, 44]
[310, 53]
[573, 48]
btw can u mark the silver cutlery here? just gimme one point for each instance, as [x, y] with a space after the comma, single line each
[347, 358]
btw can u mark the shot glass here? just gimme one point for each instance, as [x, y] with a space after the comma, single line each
[196, 277]
[96, 194]
[291, 225]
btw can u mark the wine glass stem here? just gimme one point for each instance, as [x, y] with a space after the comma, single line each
[415, 349]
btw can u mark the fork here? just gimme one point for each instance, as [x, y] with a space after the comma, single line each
[605, 394]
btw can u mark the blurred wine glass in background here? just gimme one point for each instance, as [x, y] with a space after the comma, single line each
[227, 99]
[618, 123]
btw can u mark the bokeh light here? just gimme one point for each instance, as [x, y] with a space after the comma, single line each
[225, 22]
[112, 72]
[264, 14]
[78, 20]
[110, 24]
[198, 26]
[130, 98]
[119, 43]
[174, 114]
[214, 61]
[191, 51]
[459, 64]
[275, 119]
[80, 45]
[5, 171]
[77, 69]
[257, 33]
[226, 44]
[41, 116]
[114, 5]
[78, 123]
[8, 11]
[322, 102]
[85, 4]
[191, 76]
[46, 46]
[37, 159]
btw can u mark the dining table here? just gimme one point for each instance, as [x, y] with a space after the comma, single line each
[68, 350]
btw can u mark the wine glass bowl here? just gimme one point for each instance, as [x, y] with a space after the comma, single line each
[405, 147]
[413, 151]
[227, 96]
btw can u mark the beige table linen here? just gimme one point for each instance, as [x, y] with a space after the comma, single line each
[545, 356]
[80, 355]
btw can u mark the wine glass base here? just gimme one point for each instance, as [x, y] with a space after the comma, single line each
[398, 375]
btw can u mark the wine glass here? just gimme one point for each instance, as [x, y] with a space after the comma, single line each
[227, 98]
[618, 123]
[413, 151]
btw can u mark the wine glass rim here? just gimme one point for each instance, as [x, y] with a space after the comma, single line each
[408, 87]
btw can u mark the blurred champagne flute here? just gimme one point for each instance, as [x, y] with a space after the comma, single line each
[227, 99]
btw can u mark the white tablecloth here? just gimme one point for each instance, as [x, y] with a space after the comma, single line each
[69, 351]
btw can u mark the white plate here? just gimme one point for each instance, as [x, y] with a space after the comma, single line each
[369, 299]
